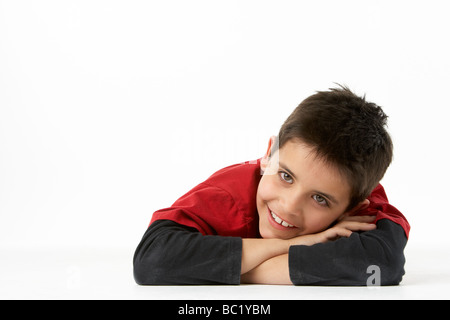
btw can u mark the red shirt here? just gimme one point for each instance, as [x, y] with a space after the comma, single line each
[225, 204]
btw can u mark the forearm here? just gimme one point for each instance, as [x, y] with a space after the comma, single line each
[272, 271]
[173, 254]
[348, 261]
[330, 261]
[257, 251]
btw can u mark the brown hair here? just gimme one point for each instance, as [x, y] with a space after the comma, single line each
[346, 131]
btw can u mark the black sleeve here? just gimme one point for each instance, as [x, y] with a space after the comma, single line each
[173, 254]
[355, 261]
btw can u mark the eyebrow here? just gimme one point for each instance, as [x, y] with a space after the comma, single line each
[287, 169]
[325, 195]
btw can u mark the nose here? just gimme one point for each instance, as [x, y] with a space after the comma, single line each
[293, 204]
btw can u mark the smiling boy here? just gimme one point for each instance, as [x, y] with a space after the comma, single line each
[310, 212]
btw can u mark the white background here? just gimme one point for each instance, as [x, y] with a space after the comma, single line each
[110, 110]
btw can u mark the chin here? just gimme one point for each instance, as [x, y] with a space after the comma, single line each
[267, 233]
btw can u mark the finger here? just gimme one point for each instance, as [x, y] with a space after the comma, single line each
[337, 233]
[359, 218]
[357, 226]
[343, 232]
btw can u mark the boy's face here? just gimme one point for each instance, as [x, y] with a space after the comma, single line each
[299, 194]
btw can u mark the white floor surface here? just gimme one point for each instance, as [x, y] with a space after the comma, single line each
[107, 274]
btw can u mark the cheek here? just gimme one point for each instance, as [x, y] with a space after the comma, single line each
[315, 224]
[317, 221]
[266, 189]
[265, 193]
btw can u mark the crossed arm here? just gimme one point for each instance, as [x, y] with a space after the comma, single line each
[267, 260]
[170, 253]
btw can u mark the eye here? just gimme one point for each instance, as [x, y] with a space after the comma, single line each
[286, 177]
[320, 200]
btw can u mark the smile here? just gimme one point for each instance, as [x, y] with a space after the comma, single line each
[277, 221]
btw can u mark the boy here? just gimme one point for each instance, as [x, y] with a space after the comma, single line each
[310, 212]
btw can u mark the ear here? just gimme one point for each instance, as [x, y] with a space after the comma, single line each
[266, 158]
[360, 206]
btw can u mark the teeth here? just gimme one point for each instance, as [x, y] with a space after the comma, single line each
[279, 221]
[285, 224]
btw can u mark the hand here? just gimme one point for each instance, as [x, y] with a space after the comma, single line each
[343, 228]
[347, 225]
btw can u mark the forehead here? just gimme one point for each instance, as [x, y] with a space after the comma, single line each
[312, 171]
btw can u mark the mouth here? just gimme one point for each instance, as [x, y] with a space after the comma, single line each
[279, 223]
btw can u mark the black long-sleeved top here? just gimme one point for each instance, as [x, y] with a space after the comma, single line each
[173, 254]
[198, 239]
